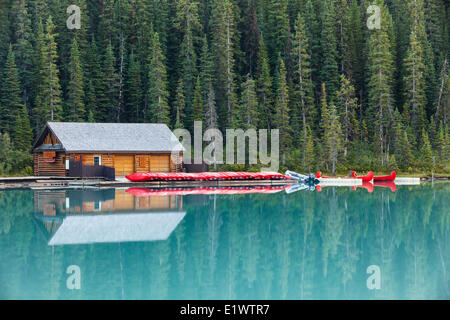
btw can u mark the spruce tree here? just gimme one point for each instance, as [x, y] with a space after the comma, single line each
[282, 120]
[333, 137]
[109, 87]
[381, 72]
[197, 107]
[187, 23]
[347, 105]
[223, 31]
[157, 93]
[179, 105]
[48, 90]
[75, 97]
[22, 135]
[305, 112]
[10, 97]
[210, 109]
[329, 73]
[415, 73]
[264, 87]
[23, 48]
[277, 30]
[248, 111]
[133, 90]
[426, 153]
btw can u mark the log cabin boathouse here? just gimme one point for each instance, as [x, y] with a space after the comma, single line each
[126, 147]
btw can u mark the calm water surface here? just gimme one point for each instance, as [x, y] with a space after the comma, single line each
[137, 244]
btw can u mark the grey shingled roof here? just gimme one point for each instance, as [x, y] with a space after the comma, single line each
[115, 137]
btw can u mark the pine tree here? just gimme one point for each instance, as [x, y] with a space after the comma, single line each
[48, 90]
[23, 48]
[179, 105]
[329, 69]
[313, 33]
[282, 111]
[347, 106]
[210, 109]
[381, 71]
[248, 111]
[10, 97]
[307, 147]
[197, 107]
[133, 90]
[333, 137]
[206, 68]
[95, 98]
[22, 135]
[305, 112]
[264, 87]
[426, 154]
[187, 22]
[75, 97]
[109, 87]
[415, 72]
[223, 31]
[277, 30]
[157, 93]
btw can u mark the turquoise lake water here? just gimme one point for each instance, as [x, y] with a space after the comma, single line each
[138, 244]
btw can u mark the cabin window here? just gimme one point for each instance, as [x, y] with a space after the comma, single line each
[49, 157]
[98, 205]
[97, 160]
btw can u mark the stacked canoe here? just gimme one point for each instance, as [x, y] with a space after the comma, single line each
[204, 176]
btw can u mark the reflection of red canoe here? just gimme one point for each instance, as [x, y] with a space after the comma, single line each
[390, 177]
[366, 185]
[204, 176]
[143, 192]
[387, 184]
[367, 177]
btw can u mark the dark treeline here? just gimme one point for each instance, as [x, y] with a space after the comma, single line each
[343, 96]
[299, 246]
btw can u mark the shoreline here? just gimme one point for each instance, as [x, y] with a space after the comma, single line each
[32, 182]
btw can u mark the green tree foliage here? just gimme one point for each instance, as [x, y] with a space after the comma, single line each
[75, 96]
[10, 97]
[179, 105]
[282, 110]
[381, 72]
[305, 112]
[125, 62]
[347, 106]
[157, 94]
[248, 110]
[264, 87]
[333, 137]
[133, 90]
[48, 90]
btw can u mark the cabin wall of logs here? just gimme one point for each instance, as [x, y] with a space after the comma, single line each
[54, 163]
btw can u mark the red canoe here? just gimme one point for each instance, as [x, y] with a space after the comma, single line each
[366, 178]
[204, 176]
[390, 177]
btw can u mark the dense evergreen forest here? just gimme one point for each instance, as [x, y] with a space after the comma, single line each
[344, 96]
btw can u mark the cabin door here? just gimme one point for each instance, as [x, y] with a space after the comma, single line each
[160, 163]
[124, 165]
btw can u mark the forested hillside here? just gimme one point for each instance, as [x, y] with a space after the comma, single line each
[343, 95]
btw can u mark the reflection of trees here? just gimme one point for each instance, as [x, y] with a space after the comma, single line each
[248, 246]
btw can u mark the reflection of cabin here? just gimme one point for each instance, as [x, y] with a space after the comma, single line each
[112, 215]
[127, 147]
